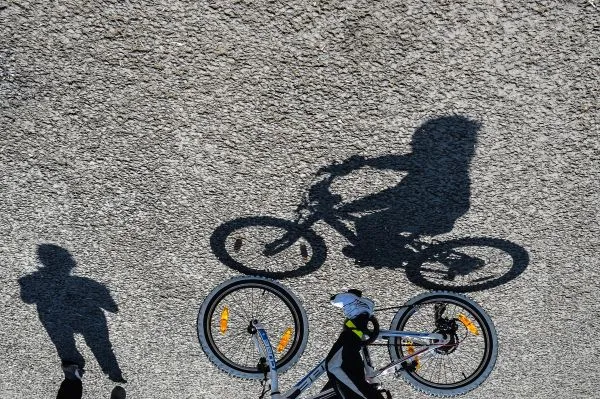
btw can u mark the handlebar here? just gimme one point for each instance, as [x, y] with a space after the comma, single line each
[319, 195]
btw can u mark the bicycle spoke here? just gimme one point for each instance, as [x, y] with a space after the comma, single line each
[452, 360]
[426, 365]
[242, 305]
[269, 311]
[252, 304]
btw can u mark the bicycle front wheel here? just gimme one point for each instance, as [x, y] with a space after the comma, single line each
[459, 366]
[268, 247]
[225, 316]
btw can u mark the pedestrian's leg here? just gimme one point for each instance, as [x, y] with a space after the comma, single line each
[101, 347]
[345, 369]
[71, 387]
[63, 338]
[344, 386]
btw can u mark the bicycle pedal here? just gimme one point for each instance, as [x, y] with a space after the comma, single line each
[408, 366]
[304, 252]
[262, 366]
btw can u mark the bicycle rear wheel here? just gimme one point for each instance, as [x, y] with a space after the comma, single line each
[227, 312]
[467, 264]
[460, 366]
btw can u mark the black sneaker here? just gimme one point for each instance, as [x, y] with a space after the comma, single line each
[118, 393]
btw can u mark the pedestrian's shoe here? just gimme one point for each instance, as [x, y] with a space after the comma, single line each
[118, 393]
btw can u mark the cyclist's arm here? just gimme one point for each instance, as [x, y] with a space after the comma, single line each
[391, 162]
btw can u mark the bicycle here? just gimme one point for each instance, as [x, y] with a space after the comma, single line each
[432, 336]
[279, 248]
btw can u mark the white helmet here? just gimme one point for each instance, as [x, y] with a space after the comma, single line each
[353, 304]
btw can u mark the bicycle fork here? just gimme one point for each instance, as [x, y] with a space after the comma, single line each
[260, 334]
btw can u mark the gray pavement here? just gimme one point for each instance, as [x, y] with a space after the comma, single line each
[130, 132]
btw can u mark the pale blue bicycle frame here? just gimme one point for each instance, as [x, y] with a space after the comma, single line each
[429, 341]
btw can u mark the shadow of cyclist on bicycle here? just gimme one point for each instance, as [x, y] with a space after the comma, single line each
[427, 201]
[384, 226]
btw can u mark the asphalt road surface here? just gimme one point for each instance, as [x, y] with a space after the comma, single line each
[130, 132]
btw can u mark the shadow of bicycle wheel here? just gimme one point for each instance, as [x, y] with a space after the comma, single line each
[241, 244]
[467, 264]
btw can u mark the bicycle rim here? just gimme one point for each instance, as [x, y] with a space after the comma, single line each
[226, 331]
[457, 368]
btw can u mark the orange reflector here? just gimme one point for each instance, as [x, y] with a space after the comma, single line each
[468, 323]
[285, 339]
[224, 319]
[410, 350]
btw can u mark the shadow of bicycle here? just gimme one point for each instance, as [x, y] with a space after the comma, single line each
[388, 228]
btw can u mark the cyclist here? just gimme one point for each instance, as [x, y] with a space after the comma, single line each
[344, 364]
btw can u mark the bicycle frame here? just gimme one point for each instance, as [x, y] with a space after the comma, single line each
[337, 220]
[430, 341]
[309, 214]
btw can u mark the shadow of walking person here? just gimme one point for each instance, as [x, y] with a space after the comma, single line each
[67, 305]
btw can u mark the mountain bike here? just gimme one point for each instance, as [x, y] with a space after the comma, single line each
[441, 343]
[279, 248]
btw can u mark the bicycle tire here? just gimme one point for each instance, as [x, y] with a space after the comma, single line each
[315, 248]
[418, 267]
[214, 298]
[489, 336]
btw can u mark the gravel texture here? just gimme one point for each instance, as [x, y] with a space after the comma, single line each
[129, 132]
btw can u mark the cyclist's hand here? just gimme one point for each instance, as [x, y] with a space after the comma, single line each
[333, 168]
[322, 170]
[352, 163]
[355, 159]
